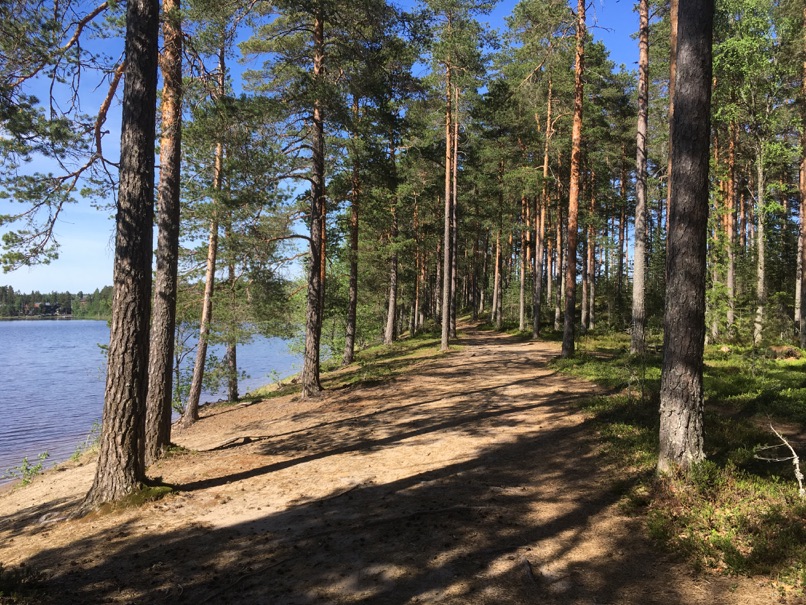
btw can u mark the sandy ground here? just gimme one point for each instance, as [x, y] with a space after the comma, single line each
[470, 479]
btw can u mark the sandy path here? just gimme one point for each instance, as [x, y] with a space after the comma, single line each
[472, 479]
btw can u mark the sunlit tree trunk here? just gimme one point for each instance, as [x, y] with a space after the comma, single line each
[802, 236]
[191, 413]
[447, 274]
[761, 248]
[163, 311]
[231, 356]
[639, 255]
[673, 14]
[389, 332]
[540, 222]
[495, 313]
[574, 186]
[730, 228]
[523, 266]
[681, 394]
[121, 462]
[315, 297]
[454, 202]
[591, 260]
[352, 292]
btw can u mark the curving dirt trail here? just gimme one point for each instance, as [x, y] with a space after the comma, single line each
[470, 479]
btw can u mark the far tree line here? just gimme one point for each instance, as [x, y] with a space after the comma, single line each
[93, 305]
[523, 179]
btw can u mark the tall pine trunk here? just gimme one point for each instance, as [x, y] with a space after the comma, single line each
[574, 186]
[316, 283]
[730, 228]
[495, 314]
[121, 462]
[761, 248]
[447, 274]
[352, 293]
[524, 264]
[163, 311]
[638, 337]
[681, 394]
[454, 201]
[540, 223]
[389, 332]
[802, 235]
[231, 356]
[191, 413]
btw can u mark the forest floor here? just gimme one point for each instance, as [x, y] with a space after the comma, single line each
[471, 477]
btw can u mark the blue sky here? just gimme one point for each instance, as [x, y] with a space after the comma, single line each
[86, 234]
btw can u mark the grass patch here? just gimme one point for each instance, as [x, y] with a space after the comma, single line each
[373, 365]
[734, 513]
[381, 363]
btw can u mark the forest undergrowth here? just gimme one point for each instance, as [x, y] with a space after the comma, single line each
[740, 511]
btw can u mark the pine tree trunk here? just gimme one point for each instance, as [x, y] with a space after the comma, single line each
[389, 332]
[494, 314]
[681, 395]
[638, 337]
[591, 262]
[559, 264]
[311, 386]
[802, 235]
[447, 274]
[191, 413]
[730, 236]
[540, 223]
[163, 312]
[622, 228]
[352, 293]
[454, 202]
[574, 186]
[121, 461]
[673, 16]
[231, 355]
[523, 267]
[761, 280]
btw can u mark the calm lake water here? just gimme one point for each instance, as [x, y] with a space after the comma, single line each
[52, 383]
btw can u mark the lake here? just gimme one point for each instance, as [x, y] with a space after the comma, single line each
[52, 375]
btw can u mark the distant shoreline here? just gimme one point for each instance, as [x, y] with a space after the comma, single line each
[50, 317]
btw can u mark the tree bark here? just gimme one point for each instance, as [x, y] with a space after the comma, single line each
[121, 461]
[311, 386]
[540, 222]
[673, 16]
[191, 413]
[591, 260]
[761, 248]
[447, 274]
[574, 186]
[730, 228]
[352, 294]
[637, 340]
[454, 209]
[231, 356]
[495, 313]
[163, 313]
[389, 332]
[802, 234]
[681, 395]
[523, 266]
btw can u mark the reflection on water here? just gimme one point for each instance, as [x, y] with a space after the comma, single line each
[52, 383]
